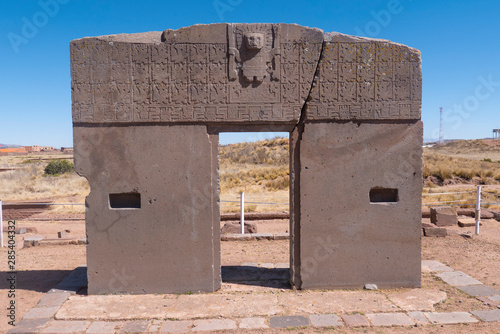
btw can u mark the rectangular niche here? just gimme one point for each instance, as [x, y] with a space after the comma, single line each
[384, 195]
[125, 201]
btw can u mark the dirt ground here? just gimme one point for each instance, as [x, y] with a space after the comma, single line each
[40, 268]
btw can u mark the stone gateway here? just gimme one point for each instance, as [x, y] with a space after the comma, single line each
[147, 112]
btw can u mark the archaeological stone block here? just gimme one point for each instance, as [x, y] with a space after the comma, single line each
[444, 216]
[147, 110]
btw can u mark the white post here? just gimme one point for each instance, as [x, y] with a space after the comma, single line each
[1, 225]
[242, 211]
[478, 208]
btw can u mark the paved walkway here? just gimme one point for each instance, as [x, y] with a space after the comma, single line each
[253, 296]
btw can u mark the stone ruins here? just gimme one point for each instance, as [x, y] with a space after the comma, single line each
[147, 112]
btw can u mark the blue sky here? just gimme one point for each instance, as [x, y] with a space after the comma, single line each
[458, 40]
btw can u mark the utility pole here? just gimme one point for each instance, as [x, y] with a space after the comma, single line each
[441, 126]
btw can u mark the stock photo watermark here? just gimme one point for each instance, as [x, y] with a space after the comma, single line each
[224, 6]
[32, 25]
[381, 19]
[11, 273]
[459, 112]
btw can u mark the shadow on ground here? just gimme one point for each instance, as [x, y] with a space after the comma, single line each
[264, 277]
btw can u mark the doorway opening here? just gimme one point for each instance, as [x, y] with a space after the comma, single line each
[256, 164]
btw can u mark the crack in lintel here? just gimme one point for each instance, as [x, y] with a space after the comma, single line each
[303, 110]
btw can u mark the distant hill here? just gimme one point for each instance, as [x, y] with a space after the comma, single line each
[9, 146]
[477, 149]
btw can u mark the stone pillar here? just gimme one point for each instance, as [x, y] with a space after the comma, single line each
[153, 212]
[360, 219]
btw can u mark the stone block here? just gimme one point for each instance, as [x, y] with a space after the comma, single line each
[444, 216]
[390, 319]
[488, 316]
[29, 326]
[68, 326]
[418, 317]
[41, 312]
[134, 327]
[450, 318]
[53, 299]
[253, 323]
[355, 320]
[213, 325]
[457, 278]
[289, 321]
[479, 290]
[378, 208]
[103, 327]
[325, 320]
[467, 222]
[487, 214]
[136, 239]
[439, 232]
[434, 266]
[235, 228]
[173, 326]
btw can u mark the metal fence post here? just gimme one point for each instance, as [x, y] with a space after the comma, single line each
[242, 211]
[1, 225]
[478, 209]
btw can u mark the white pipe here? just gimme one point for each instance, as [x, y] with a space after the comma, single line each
[242, 212]
[478, 208]
[1, 225]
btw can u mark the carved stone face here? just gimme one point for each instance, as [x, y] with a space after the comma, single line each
[254, 41]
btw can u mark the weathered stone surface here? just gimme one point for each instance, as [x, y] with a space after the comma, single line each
[136, 326]
[103, 327]
[331, 302]
[417, 299]
[488, 316]
[29, 326]
[213, 325]
[458, 278]
[173, 326]
[479, 290]
[170, 244]
[66, 327]
[233, 228]
[253, 323]
[450, 318]
[435, 232]
[41, 312]
[183, 307]
[361, 78]
[147, 110]
[325, 320]
[188, 78]
[467, 222]
[355, 320]
[289, 321]
[444, 216]
[356, 239]
[390, 319]
[53, 299]
[418, 317]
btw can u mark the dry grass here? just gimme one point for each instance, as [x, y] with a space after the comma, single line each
[28, 182]
[464, 170]
[260, 169]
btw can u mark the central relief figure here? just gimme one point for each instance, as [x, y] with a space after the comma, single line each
[252, 54]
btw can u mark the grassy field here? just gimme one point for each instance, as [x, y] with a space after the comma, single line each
[28, 182]
[261, 170]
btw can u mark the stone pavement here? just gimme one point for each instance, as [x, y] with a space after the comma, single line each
[253, 296]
